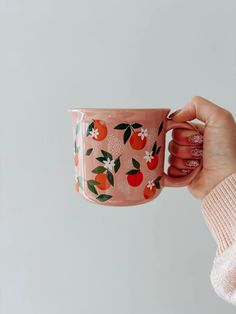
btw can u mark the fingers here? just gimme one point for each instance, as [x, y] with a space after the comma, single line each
[185, 152]
[204, 110]
[180, 163]
[174, 172]
[187, 137]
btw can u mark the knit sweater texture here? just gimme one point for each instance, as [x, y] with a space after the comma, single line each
[219, 211]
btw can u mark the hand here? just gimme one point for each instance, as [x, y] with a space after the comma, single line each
[216, 145]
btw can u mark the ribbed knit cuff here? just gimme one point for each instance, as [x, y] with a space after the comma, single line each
[219, 211]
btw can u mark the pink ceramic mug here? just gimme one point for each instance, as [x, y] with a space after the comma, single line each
[119, 154]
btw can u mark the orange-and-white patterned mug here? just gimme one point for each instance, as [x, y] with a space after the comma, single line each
[119, 154]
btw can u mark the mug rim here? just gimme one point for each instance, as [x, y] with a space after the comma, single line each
[116, 109]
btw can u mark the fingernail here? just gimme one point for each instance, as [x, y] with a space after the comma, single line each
[197, 152]
[186, 171]
[192, 163]
[174, 113]
[196, 139]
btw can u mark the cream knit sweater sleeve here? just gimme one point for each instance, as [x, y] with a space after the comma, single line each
[219, 211]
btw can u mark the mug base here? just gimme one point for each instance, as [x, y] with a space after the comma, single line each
[119, 203]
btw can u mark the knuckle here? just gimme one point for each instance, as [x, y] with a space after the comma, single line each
[173, 133]
[178, 150]
[170, 159]
[175, 149]
[196, 99]
[170, 145]
[170, 171]
[176, 133]
[226, 115]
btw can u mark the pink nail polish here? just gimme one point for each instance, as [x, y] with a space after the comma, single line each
[186, 171]
[192, 163]
[197, 152]
[196, 139]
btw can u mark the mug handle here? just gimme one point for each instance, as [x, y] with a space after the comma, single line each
[184, 180]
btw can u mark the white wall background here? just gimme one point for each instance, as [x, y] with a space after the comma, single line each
[59, 253]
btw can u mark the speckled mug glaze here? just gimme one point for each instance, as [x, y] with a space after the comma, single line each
[119, 154]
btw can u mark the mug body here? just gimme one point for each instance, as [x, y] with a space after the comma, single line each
[119, 154]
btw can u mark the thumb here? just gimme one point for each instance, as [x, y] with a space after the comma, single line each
[202, 109]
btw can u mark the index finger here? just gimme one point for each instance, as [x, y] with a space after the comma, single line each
[202, 109]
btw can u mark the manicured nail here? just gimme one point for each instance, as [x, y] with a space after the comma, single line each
[174, 113]
[197, 152]
[196, 139]
[192, 163]
[186, 171]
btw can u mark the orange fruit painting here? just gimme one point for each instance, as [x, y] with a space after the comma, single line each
[149, 190]
[153, 163]
[151, 187]
[138, 139]
[97, 130]
[152, 158]
[135, 179]
[103, 183]
[135, 176]
[137, 142]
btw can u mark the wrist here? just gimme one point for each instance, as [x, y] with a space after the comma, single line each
[216, 178]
